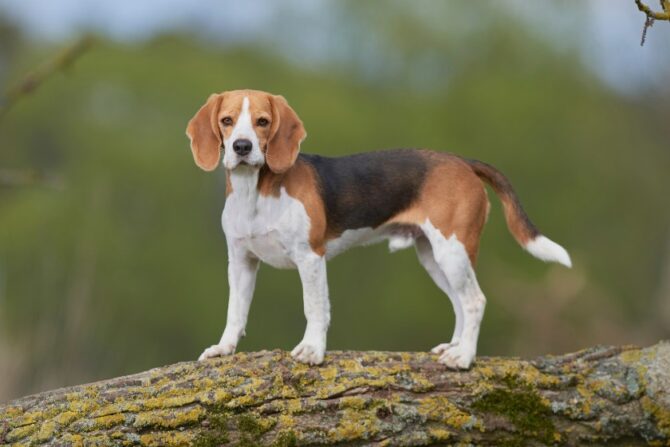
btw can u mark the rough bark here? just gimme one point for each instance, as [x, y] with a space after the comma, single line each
[613, 395]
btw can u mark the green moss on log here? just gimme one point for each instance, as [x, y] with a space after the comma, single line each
[595, 396]
[524, 408]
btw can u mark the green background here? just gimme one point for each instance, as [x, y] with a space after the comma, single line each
[113, 260]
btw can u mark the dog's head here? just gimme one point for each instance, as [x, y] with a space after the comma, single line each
[251, 127]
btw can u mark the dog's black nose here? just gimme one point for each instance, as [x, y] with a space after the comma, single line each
[242, 147]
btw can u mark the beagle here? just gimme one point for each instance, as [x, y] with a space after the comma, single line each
[293, 210]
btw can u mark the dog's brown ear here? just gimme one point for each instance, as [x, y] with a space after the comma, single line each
[286, 134]
[203, 130]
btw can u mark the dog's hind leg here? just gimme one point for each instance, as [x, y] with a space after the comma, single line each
[426, 257]
[453, 260]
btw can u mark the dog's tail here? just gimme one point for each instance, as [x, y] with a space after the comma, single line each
[518, 222]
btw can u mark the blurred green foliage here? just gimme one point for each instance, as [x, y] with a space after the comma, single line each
[118, 264]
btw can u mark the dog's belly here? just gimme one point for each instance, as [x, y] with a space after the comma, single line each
[399, 237]
[268, 248]
[353, 238]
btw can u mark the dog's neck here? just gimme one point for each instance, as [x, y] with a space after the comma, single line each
[242, 182]
[246, 185]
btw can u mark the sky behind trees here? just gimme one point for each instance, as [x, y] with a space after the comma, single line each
[604, 32]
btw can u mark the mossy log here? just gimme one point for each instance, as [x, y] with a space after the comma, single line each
[613, 395]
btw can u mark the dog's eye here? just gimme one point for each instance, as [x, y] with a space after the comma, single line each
[227, 121]
[262, 122]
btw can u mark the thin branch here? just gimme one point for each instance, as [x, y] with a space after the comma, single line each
[36, 78]
[652, 16]
[664, 15]
[647, 24]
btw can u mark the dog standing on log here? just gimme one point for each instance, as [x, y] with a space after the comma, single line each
[293, 210]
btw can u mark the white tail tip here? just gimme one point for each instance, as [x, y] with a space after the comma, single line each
[549, 251]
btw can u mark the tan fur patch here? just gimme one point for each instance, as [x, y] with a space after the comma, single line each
[301, 183]
[453, 198]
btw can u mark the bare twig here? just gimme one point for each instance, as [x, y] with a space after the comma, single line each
[647, 24]
[663, 15]
[652, 16]
[33, 80]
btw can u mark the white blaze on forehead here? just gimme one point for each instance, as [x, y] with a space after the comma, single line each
[243, 129]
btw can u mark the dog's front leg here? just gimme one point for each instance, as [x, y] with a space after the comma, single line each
[312, 269]
[242, 269]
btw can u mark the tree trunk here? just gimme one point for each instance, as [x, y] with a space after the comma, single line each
[614, 395]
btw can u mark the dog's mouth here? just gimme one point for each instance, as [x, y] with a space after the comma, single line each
[245, 162]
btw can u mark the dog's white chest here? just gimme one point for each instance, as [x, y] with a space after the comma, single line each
[269, 248]
[267, 226]
[258, 232]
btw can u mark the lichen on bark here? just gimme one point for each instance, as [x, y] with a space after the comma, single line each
[599, 395]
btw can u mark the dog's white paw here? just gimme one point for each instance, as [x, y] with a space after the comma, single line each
[439, 349]
[310, 353]
[217, 351]
[457, 357]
